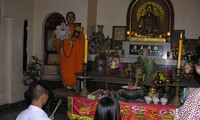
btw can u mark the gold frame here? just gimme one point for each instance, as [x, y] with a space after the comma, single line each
[131, 10]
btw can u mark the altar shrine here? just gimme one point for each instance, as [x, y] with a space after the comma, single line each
[80, 108]
[149, 34]
[150, 24]
[158, 73]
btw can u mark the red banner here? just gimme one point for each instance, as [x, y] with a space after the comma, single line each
[81, 108]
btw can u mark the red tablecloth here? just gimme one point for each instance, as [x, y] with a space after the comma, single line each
[81, 108]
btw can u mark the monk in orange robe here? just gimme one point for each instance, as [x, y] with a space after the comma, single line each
[72, 56]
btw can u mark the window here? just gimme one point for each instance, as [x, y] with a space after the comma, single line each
[25, 45]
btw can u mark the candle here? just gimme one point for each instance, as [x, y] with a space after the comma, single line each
[168, 34]
[135, 34]
[128, 33]
[86, 50]
[180, 44]
[168, 37]
[181, 36]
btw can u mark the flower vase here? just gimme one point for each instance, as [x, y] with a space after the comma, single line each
[114, 71]
[92, 57]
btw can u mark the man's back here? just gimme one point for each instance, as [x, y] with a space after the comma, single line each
[32, 113]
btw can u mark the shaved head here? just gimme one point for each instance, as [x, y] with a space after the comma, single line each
[37, 90]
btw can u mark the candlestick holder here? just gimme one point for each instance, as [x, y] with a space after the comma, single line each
[176, 101]
[84, 90]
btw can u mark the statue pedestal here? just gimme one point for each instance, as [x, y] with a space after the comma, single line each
[157, 50]
[145, 39]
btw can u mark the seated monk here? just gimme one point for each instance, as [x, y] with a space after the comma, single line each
[149, 24]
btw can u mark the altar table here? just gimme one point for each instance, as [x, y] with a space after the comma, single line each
[101, 78]
[81, 108]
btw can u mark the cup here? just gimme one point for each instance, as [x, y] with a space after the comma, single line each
[156, 100]
[163, 101]
[148, 99]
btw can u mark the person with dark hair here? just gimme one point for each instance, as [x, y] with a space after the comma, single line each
[190, 110]
[195, 56]
[71, 57]
[108, 108]
[39, 96]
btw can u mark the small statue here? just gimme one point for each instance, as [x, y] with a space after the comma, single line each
[149, 24]
[129, 69]
[138, 69]
[101, 37]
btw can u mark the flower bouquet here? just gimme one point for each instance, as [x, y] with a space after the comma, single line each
[96, 43]
[114, 66]
[187, 70]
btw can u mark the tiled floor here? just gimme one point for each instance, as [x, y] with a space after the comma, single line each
[11, 114]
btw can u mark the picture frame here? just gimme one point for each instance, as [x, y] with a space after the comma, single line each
[119, 33]
[50, 40]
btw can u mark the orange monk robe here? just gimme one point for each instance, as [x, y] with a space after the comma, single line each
[73, 64]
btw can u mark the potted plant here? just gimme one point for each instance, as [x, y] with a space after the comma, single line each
[33, 71]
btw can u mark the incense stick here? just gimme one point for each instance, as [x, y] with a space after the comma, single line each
[58, 104]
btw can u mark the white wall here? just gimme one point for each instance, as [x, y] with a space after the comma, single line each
[113, 13]
[187, 17]
[45, 7]
[92, 16]
[13, 14]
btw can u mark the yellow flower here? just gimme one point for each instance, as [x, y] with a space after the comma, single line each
[113, 65]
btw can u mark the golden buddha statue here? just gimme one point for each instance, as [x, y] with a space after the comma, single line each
[149, 24]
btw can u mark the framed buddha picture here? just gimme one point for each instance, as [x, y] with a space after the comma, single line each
[119, 33]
